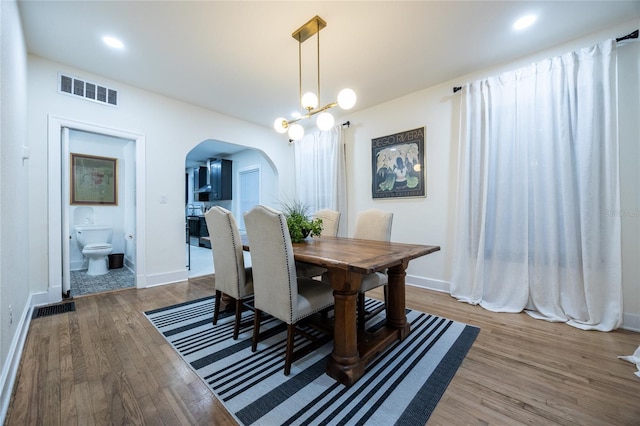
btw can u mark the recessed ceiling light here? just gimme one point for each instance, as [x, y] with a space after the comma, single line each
[524, 22]
[112, 42]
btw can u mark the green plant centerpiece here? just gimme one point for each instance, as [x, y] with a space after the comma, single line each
[299, 223]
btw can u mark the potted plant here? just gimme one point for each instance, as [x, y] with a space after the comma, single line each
[299, 223]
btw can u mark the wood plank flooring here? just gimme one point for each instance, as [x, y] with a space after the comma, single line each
[106, 364]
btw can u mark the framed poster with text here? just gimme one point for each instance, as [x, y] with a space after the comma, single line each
[398, 165]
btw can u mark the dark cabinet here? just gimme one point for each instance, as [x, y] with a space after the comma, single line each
[220, 175]
[214, 181]
[202, 177]
[201, 183]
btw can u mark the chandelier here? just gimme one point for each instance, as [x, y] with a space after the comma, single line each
[309, 101]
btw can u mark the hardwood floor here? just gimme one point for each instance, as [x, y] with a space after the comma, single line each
[106, 364]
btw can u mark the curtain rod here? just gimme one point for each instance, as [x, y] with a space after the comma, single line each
[629, 36]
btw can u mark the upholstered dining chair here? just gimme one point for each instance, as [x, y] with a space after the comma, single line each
[277, 290]
[330, 222]
[232, 277]
[372, 224]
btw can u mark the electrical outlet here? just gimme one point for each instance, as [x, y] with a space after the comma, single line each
[10, 314]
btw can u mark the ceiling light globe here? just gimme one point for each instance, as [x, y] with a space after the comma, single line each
[325, 121]
[280, 125]
[309, 101]
[296, 132]
[346, 99]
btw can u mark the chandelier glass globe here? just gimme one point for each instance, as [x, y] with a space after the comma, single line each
[296, 132]
[346, 99]
[279, 125]
[325, 121]
[309, 101]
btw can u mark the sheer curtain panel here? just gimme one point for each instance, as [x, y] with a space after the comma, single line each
[320, 172]
[538, 180]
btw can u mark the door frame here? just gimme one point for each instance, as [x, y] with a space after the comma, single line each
[59, 223]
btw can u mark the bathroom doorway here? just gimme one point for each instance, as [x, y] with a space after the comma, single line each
[100, 210]
[128, 233]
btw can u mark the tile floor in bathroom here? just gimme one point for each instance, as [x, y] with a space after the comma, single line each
[115, 279]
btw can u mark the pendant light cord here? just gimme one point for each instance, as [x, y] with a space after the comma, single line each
[319, 103]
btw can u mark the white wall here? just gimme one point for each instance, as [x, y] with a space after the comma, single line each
[14, 201]
[269, 190]
[430, 220]
[171, 129]
[629, 112]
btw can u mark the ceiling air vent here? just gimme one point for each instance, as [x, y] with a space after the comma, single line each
[87, 90]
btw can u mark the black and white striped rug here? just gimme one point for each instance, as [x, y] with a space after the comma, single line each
[401, 386]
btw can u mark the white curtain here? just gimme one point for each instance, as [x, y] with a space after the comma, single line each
[538, 193]
[320, 173]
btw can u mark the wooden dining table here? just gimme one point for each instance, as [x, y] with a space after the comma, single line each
[347, 260]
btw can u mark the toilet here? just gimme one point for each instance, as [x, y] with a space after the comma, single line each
[95, 243]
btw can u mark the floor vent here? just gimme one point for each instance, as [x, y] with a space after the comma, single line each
[75, 86]
[47, 311]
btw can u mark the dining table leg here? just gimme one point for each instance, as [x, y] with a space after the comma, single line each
[396, 303]
[345, 364]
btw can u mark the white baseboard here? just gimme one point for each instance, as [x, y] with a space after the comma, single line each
[631, 322]
[129, 264]
[428, 283]
[39, 299]
[162, 279]
[10, 368]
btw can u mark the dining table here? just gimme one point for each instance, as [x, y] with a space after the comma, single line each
[347, 260]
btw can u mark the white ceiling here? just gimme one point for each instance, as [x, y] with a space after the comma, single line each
[238, 57]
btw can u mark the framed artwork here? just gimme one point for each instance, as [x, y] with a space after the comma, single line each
[398, 166]
[94, 180]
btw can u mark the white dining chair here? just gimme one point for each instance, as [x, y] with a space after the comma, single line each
[372, 224]
[277, 290]
[330, 222]
[232, 277]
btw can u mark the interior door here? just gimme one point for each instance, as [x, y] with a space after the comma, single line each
[66, 234]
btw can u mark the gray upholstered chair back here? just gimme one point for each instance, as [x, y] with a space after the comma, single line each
[373, 224]
[226, 247]
[274, 273]
[330, 221]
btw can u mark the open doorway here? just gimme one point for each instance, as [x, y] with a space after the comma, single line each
[60, 228]
[98, 203]
[253, 180]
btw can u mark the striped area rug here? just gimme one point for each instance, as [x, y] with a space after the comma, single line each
[401, 386]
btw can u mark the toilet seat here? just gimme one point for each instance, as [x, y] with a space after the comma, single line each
[97, 246]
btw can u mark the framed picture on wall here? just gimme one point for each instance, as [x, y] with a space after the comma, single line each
[94, 180]
[398, 166]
